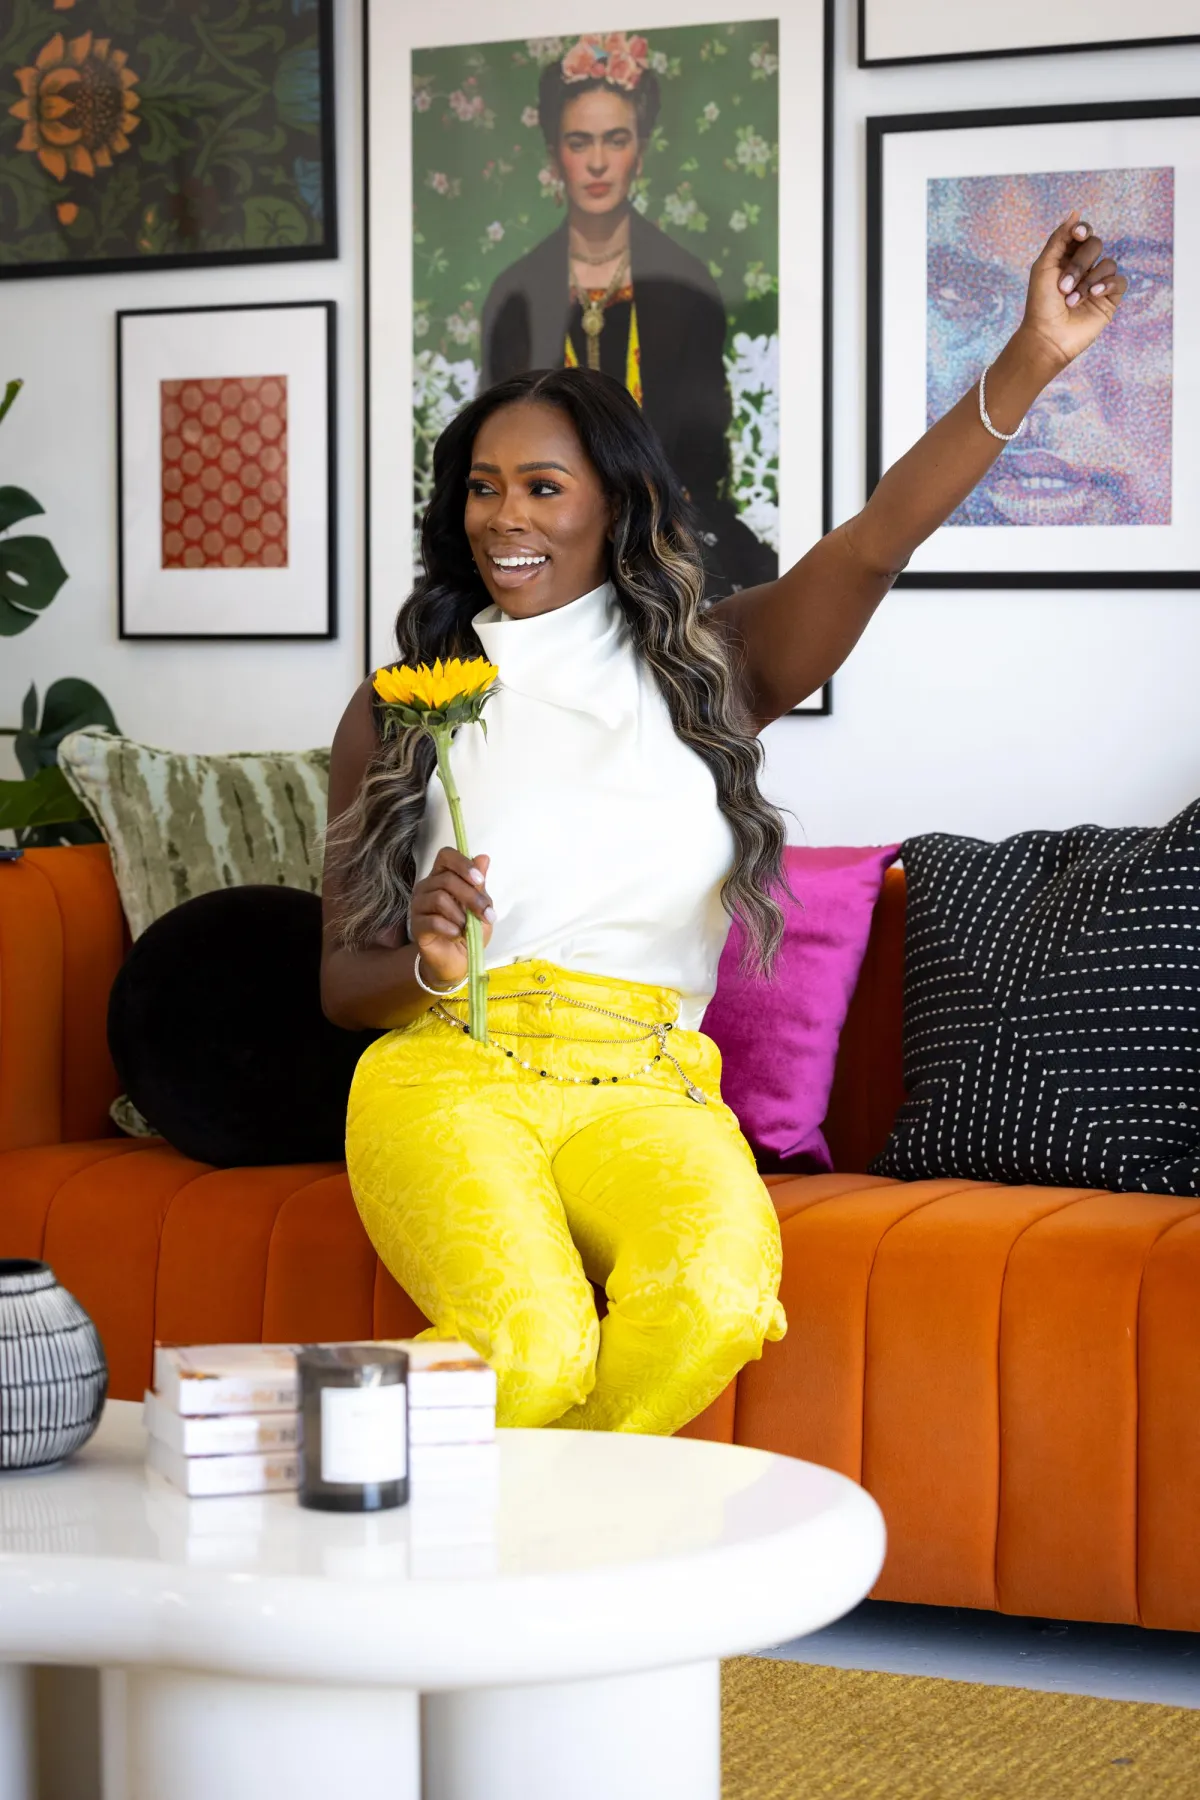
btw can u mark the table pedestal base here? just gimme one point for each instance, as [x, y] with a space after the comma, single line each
[216, 1737]
[653, 1736]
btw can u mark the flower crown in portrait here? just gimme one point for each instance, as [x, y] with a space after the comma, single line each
[612, 57]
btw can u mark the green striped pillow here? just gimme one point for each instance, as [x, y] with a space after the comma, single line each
[178, 826]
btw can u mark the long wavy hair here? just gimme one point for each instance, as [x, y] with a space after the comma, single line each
[656, 570]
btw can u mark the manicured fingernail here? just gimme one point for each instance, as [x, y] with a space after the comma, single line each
[490, 915]
[476, 876]
[1067, 283]
[1098, 288]
[1072, 299]
[1081, 231]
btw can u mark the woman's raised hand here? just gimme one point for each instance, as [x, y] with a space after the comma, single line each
[438, 914]
[1074, 291]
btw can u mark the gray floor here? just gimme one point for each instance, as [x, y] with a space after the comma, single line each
[1115, 1662]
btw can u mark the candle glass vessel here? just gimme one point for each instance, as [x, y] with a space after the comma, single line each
[354, 1402]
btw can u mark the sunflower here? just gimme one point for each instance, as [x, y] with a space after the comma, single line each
[449, 692]
[77, 105]
[437, 701]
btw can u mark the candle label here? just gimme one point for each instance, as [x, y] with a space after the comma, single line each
[364, 1433]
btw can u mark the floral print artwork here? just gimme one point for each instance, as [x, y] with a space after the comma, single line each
[138, 131]
[484, 195]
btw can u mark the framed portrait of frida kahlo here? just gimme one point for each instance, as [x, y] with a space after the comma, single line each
[648, 202]
[1098, 490]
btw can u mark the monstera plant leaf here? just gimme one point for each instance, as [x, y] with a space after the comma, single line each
[44, 801]
[30, 572]
[69, 705]
[42, 810]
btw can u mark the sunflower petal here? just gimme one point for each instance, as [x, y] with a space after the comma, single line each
[54, 163]
[81, 161]
[30, 138]
[23, 109]
[27, 80]
[103, 157]
[54, 133]
[57, 80]
[53, 106]
[51, 53]
[101, 48]
[80, 47]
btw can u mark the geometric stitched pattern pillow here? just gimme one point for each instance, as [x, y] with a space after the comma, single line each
[1052, 1009]
[178, 826]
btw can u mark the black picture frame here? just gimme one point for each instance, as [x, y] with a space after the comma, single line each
[326, 159]
[825, 709]
[330, 628]
[878, 129]
[990, 55]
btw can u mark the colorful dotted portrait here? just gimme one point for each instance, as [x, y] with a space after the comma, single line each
[224, 473]
[1097, 448]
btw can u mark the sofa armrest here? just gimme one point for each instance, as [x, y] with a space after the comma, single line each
[62, 940]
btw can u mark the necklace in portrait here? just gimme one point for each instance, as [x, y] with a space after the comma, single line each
[592, 306]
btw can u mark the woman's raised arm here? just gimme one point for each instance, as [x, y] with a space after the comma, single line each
[795, 632]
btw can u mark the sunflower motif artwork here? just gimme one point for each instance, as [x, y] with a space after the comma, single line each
[143, 132]
[437, 700]
[77, 105]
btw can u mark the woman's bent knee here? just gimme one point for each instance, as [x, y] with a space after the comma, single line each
[541, 1374]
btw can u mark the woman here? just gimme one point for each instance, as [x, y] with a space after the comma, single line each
[608, 290]
[616, 794]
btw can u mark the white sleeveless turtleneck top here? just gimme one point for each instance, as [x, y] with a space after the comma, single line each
[607, 846]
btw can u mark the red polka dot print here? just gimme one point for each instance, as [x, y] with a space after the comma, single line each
[224, 473]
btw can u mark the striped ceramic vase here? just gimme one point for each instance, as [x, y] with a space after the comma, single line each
[53, 1376]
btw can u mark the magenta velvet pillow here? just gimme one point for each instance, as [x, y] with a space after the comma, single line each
[779, 1038]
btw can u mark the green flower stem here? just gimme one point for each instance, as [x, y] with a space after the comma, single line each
[477, 981]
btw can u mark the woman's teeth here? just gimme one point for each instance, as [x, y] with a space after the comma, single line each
[518, 562]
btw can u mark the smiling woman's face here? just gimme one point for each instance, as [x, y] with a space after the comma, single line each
[1097, 448]
[536, 517]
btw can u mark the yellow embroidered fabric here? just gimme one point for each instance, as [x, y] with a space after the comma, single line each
[496, 1197]
[633, 349]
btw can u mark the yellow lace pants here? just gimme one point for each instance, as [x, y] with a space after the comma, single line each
[496, 1197]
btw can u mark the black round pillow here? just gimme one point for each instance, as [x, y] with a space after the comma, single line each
[216, 1030]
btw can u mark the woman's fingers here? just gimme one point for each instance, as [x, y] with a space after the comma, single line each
[452, 862]
[463, 878]
[1081, 259]
[1099, 277]
[1063, 239]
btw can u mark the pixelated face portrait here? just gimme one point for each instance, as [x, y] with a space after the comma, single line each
[1098, 444]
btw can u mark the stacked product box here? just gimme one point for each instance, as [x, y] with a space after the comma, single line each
[225, 1419]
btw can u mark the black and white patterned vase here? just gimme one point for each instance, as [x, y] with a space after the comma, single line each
[53, 1374]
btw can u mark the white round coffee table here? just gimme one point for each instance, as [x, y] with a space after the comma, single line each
[550, 1630]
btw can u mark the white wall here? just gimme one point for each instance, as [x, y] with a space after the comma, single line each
[980, 712]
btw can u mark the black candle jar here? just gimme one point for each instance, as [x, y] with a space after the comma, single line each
[354, 1400]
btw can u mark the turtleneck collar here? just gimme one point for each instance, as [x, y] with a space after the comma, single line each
[568, 657]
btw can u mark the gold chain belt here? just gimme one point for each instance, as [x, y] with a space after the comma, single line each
[656, 1031]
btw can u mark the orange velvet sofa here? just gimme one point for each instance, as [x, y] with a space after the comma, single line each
[1013, 1372]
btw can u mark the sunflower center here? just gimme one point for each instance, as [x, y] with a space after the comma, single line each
[99, 103]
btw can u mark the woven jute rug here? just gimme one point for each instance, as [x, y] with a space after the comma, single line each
[793, 1732]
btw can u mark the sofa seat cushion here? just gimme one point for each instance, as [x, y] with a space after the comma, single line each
[1012, 1372]
[158, 1247]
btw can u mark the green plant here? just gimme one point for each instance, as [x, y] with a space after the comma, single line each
[40, 810]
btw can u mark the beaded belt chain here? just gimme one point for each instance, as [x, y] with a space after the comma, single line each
[656, 1031]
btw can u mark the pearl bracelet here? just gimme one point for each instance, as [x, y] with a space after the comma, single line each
[1006, 437]
[438, 993]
